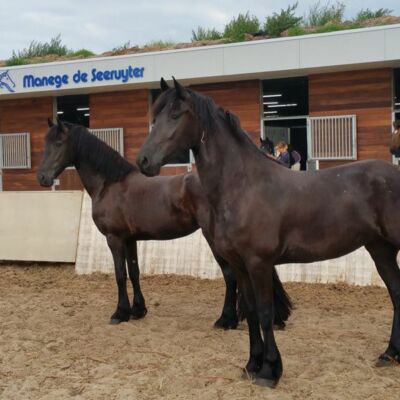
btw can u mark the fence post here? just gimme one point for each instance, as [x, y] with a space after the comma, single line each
[1, 163]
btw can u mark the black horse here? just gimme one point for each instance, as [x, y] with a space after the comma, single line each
[127, 207]
[265, 214]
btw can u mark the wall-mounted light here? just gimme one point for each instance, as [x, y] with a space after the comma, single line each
[83, 109]
[283, 105]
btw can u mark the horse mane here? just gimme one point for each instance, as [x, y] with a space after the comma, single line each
[208, 112]
[102, 158]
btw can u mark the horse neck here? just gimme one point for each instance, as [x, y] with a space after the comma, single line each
[92, 180]
[224, 160]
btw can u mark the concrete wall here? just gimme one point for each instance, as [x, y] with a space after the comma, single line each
[39, 226]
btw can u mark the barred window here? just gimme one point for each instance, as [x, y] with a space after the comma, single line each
[332, 138]
[15, 150]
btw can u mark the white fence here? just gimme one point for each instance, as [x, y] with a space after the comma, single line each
[114, 137]
[15, 150]
[332, 138]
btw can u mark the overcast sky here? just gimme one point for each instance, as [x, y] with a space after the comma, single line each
[100, 25]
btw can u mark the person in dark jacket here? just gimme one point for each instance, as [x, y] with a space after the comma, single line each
[283, 155]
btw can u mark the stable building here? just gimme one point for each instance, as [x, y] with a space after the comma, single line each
[332, 96]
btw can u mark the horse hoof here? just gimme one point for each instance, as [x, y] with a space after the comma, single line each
[225, 324]
[265, 382]
[119, 316]
[138, 313]
[385, 360]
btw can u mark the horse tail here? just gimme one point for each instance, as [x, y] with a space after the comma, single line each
[282, 303]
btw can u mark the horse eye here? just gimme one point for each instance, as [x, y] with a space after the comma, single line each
[174, 116]
[58, 144]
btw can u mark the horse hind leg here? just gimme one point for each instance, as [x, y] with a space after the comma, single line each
[229, 317]
[384, 255]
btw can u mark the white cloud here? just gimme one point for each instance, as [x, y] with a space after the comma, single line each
[100, 25]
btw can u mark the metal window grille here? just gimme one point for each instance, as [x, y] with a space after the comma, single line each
[114, 137]
[332, 138]
[15, 150]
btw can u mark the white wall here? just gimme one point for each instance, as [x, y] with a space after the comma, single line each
[39, 226]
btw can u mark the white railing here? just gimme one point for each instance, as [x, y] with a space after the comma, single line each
[15, 150]
[332, 138]
[114, 137]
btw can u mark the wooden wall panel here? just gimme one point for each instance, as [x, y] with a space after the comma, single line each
[127, 110]
[26, 115]
[241, 98]
[368, 95]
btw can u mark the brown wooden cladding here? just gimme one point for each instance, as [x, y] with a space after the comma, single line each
[26, 115]
[365, 93]
[241, 98]
[129, 110]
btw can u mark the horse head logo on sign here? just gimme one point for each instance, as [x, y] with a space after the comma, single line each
[6, 82]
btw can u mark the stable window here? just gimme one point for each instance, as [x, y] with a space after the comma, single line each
[15, 151]
[332, 138]
[183, 158]
[74, 109]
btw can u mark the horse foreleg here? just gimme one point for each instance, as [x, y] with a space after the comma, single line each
[139, 309]
[384, 255]
[117, 248]
[261, 278]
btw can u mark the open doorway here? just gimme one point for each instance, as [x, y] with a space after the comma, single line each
[293, 131]
[285, 113]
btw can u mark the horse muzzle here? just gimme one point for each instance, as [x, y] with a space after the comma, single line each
[44, 180]
[147, 167]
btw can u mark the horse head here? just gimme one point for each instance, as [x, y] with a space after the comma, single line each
[6, 81]
[58, 153]
[174, 129]
[395, 142]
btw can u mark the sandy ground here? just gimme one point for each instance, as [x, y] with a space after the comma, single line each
[55, 341]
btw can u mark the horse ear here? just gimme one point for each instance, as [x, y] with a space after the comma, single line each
[180, 90]
[164, 85]
[61, 127]
[50, 123]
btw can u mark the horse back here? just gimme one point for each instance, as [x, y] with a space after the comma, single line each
[146, 208]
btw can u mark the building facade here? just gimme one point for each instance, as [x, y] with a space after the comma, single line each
[332, 96]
